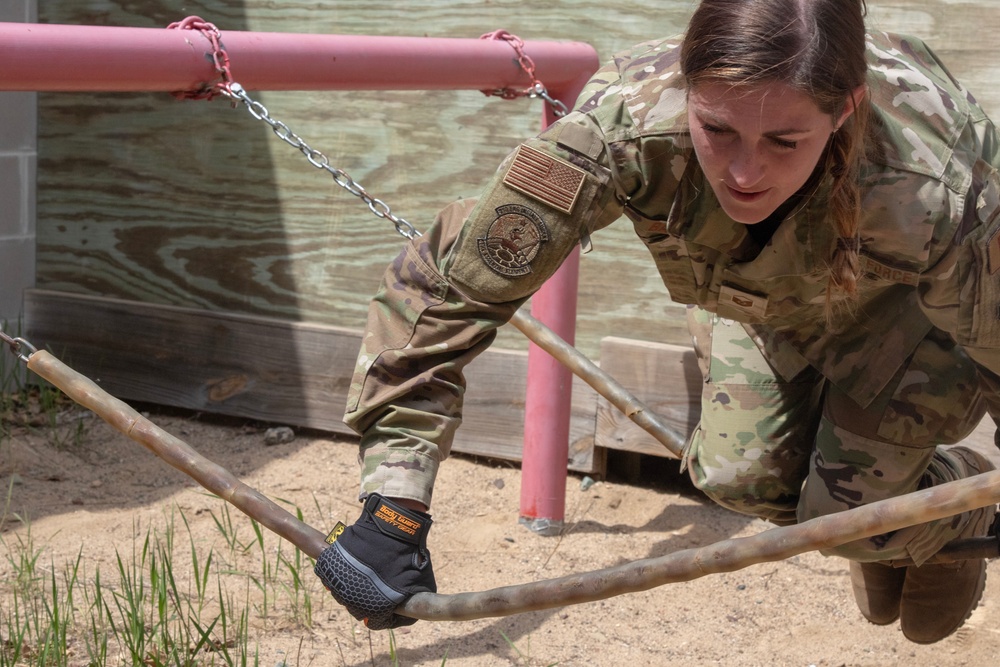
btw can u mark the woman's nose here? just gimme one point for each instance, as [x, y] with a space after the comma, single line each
[746, 168]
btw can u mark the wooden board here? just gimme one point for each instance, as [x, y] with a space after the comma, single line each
[194, 205]
[664, 377]
[270, 370]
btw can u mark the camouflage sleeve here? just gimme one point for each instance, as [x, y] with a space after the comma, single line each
[961, 292]
[444, 296]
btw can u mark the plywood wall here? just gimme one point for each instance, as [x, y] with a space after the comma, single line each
[196, 205]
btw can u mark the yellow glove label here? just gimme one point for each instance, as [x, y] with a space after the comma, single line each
[336, 532]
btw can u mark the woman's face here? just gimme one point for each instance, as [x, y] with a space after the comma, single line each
[758, 144]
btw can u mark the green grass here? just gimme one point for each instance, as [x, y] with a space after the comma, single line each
[12, 384]
[44, 409]
[34, 626]
[523, 657]
[12, 371]
[139, 615]
[169, 597]
[169, 600]
[164, 600]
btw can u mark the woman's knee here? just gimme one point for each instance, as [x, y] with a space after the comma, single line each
[738, 479]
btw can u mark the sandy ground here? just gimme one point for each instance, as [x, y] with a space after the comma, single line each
[86, 490]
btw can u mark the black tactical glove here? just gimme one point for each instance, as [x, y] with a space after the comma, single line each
[375, 565]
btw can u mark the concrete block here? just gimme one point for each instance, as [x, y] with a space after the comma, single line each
[18, 121]
[12, 197]
[17, 273]
[19, 11]
[15, 11]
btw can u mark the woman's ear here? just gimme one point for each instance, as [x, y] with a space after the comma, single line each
[852, 103]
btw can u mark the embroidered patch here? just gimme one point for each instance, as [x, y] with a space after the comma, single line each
[993, 253]
[549, 180]
[513, 240]
[754, 304]
[886, 272]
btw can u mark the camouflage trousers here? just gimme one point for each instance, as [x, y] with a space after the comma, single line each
[791, 450]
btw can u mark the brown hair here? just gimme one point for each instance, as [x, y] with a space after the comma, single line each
[816, 47]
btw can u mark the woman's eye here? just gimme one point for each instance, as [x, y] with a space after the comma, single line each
[712, 129]
[784, 143]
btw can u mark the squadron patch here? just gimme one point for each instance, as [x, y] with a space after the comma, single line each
[513, 240]
[552, 181]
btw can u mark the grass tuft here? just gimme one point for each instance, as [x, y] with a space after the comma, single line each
[162, 605]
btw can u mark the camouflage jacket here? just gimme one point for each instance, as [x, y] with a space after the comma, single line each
[930, 248]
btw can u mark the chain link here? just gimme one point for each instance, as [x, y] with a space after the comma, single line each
[537, 88]
[235, 92]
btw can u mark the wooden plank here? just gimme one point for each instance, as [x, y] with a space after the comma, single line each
[268, 369]
[665, 377]
[224, 363]
[198, 206]
[195, 204]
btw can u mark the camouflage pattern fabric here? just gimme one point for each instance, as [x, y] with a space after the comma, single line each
[930, 250]
[750, 451]
[788, 451]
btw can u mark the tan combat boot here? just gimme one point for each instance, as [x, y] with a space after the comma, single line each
[878, 590]
[937, 599]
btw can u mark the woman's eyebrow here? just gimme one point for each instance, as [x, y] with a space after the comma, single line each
[708, 117]
[785, 131]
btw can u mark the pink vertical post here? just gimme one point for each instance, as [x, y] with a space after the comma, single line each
[548, 397]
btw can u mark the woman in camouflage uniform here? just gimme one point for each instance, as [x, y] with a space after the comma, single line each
[823, 197]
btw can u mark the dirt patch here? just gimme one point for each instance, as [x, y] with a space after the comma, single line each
[86, 492]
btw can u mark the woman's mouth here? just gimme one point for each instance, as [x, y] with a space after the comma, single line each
[746, 197]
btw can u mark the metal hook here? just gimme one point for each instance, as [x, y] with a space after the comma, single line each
[539, 90]
[17, 345]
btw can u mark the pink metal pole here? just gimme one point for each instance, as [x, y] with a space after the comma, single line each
[548, 401]
[44, 57]
[548, 395]
[47, 57]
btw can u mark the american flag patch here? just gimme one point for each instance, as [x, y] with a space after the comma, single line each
[545, 178]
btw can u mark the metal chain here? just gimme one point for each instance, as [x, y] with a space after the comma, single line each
[235, 92]
[18, 346]
[219, 58]
[321, 161]
[537, 88]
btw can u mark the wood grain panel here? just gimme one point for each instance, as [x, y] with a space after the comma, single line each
[271, 370]
[954, 30]
[664, 377]
[196, 205]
